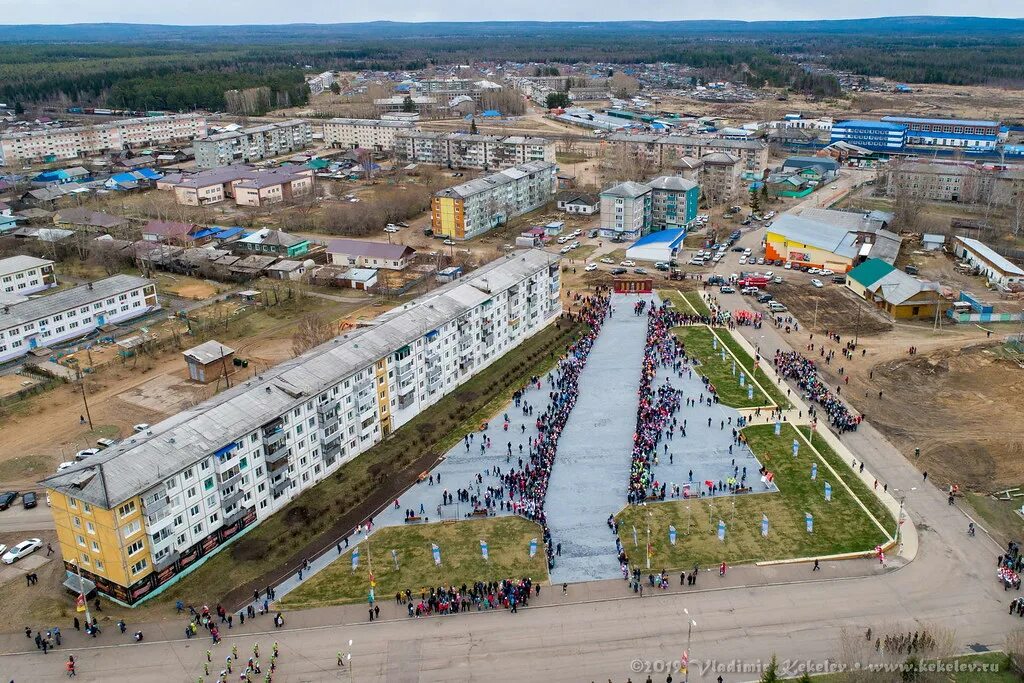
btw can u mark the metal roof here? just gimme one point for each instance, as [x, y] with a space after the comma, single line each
[44, 306]
[370, 249]
[987, 253]
[208, 352]
[941, 122]
[143, 461]
[816, 234]
[870, 272]
[671, 182]
[16, 264]
[628, 190]
[895, 287]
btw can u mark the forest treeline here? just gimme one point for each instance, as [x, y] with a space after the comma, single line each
[181, 76]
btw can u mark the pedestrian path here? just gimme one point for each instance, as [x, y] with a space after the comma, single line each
[591, 471]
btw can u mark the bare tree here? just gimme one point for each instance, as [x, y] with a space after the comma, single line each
[312, 330]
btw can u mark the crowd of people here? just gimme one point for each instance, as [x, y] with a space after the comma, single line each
[527, 485]
[656, 406]
[505, 594]
[804, 372]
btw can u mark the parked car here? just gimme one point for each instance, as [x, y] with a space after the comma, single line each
[839, 279]
[105, 443]
[764, 298]
[64, 465]
[141, 427]
[739, 249]
[3, 548]
[787, 266]
[607, 260]
[826, 271]
[661, 265]
[85, 453]
[7, 499]
[565, 250]
[449, 242]
[749, 290]
[640, 271]
[29, 500]
[627, 263]
[812, 271]
[402, 224]
[817, 283]
[591, 267]
[391, 228]
[23, 549]
[776, 307]
[619, 271]
[777, 280]
[726, 289]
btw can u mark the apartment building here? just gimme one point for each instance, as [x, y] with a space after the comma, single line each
[947, 132]
[72, 313]
[879, 136]
[372, 134]
[673, 202]
[472, 208]
[461, 150]
[24, 275]
[422, 104]
[79, 141]
[719, 177]
[367, 254]
[664, 150]
[140, 514]
[626, 210]
[321, 82]
[253, 144]
[246, 185]
[950, 181]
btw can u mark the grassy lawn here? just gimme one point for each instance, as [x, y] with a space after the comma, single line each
[999, 517]
[276, 540]
[698, 340]
[840, 525]
[997, 663]
[26, 467]
[617, 255]
[508, 540]
[777, 395]
[698, 304]
[582, 252]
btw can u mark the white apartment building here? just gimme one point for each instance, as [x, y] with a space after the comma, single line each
[461, 150]
[253, 144]
[372, 134]
[202, 476]
[72, 313]
[626, 210]
[472, 208]
[114, 136]
[317, 84]
[24, 275]
[663, 150]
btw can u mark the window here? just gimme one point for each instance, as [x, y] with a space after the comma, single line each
[81, 540]
[213, 518]
[126, 509]
[77, 522]
[86, 508]
[193, 511]
[136, 547]
[208, 484]
[95, 547]
[85, 558]
[90, 527]
[99, 565]
[139, 566]
[73, 503]
[131, 528]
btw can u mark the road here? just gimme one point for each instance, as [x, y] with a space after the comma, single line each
[17, 518]
[598, 634]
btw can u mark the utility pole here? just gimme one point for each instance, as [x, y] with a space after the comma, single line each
[689, 633]
[224, 363]
[85, 400]
[81, 591]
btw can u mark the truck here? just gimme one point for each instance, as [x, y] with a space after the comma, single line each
[759, 281]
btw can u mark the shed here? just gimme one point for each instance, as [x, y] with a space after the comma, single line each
[933, 242]
[209, 361]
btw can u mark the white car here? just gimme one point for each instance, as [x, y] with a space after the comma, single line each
[576, 233]
[85, 453]
[575, 245]
[817, 283]
[788, 266]
[391, 228]
[747, 251]
[607, 260]
[812, 271]
[591, 267]
[65, 465]
[777, 280]
[565, 250]
[760, 261]
[769, 274]
[141, 427]
[627, 264]
[826, 271]
[449, 242]
[21, 550]
[563, 240]
[743, 260]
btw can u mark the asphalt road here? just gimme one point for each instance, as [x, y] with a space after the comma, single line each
[17, 518]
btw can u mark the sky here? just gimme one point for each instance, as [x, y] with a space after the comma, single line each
[200, 12]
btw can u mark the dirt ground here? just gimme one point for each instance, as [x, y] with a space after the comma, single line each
[838, 309]
[957, 404]
[12, 384]
[188, 287]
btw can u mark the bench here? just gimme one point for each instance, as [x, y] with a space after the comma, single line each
[415, 519]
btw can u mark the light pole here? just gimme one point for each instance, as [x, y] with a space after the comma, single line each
[348, 657]
[649, 514]
[689, 632]
[81, 591]
[899, 521]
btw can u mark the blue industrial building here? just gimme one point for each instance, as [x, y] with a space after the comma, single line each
[877, 136]
[948, 132]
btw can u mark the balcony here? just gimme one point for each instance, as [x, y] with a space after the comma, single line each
[157, 522]
[488, 339]
[167, 561]
[229, 480]
[280, 486]
[272, 438]
[328, 407]
[277, 456]
[237, 515]
[332, 449]
[155, 505]
[231, 498]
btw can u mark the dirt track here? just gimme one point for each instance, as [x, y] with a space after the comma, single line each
[837, 307]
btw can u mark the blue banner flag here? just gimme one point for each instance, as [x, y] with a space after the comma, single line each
[721, 530]
[437, 554]
[483, 548]
[355, 558]
[778, 427]
[533, 547]
[810, 522]
[764, 525]
[828, 491]
[672, 535]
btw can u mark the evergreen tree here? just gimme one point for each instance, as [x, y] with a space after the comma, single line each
[19, 108]
[472, 126]
[771, 673]
[408, 106]
[557, 100]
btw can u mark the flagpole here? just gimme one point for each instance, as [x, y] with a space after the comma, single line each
[81, 590]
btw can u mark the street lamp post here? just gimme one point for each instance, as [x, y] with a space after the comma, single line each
[689, 632]
[81, 590]
[348, 657]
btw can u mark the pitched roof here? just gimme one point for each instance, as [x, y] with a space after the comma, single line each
[816, 233]
[208, 351]
[990, 255]
[87, 217]
[671, 182]
[869, 272]
[274, 238]
[43, 306]
[896, 287]
[366, 248]
[16, 264]
[168, 228]
[627, 190]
